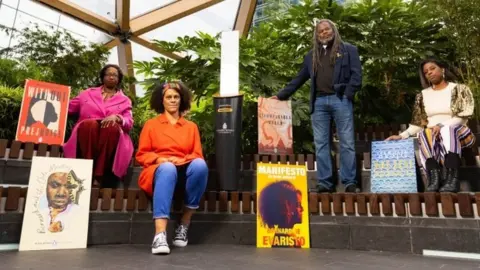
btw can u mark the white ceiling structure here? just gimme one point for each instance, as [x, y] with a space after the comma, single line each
[128, 27]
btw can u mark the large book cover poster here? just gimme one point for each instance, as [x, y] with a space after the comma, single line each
[393, 167]
[58, 204]
[275, 134]
[43, 114]
[282, 206]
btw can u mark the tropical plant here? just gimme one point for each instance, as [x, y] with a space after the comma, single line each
[61, 58]
[10, 102]
[461, 20]
[392, 37]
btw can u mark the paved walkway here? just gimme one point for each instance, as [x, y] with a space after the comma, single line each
[222, 257]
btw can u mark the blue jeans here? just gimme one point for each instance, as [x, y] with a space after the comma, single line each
[341, 110]
[165, 181]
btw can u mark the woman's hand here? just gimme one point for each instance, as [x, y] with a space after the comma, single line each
[161, 160]
[176, 160]
[110, 120]
[394, 138]
[435, 131]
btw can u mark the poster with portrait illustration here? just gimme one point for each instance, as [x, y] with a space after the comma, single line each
[58, 204]
[282, 206]
[43, 113]
[274, 127]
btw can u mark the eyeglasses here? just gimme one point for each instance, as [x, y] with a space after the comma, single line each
[115, 75]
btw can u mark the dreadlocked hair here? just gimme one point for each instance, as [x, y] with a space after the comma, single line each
[317, 46]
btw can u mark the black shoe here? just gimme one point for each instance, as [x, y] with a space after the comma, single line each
[351, 188]
[452, 183]
[322, 189]
[434, 179]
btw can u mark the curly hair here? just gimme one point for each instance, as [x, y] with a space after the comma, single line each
[275, 203]
[156, 100]
[103, 71]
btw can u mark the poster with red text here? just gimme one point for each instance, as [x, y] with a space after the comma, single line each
[274, 127]
[282, 206]
[43, 114]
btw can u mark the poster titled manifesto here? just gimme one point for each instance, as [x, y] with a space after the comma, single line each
[282, 206]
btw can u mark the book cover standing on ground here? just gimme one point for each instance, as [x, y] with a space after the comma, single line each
[274, 127]
[393, 167]
[57, 206]
[282, 206]
[43, 113]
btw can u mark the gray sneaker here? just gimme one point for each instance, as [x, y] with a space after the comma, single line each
[160, 245]
[181, 236]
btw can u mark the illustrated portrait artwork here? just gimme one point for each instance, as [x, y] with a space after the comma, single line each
[280, 204]
[57, 205]
[62, 191]
[43, 113]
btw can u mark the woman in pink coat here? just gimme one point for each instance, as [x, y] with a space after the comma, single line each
[101, 132]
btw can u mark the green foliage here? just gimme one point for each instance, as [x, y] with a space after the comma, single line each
[53, 57]
[59, 56]
[392, 37]
[462, 27]
[14, 73]
[10, 101]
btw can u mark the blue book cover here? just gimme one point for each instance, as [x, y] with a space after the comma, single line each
[393, 167]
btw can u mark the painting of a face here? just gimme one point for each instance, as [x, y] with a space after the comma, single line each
[59, 190]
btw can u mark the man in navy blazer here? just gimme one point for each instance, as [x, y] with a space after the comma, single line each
[335, 74]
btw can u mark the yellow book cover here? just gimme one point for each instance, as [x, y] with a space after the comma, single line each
[282, 206]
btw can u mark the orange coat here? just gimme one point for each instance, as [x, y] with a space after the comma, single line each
[159, 138]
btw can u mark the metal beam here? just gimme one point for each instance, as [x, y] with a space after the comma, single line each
[112, 43]
[79, 13]
[167, 14]
[125, 61]
[123, 14]
[244, 18]
[153, 47]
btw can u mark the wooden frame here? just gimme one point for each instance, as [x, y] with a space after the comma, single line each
[126, 29]
[244, 18]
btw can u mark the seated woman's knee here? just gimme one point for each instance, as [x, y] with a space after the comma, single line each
[167, 167]
[199, 165]
[89, 124]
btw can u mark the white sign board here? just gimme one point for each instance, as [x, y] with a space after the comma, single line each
[229, 67]
[58, 204]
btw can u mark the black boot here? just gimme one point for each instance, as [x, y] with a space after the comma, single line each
[452, 182]
[434, 175]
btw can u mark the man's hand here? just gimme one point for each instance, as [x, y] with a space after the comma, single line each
[110, 121]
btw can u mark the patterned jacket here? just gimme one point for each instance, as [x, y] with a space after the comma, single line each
[462, 105]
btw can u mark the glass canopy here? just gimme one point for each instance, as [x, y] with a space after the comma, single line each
[19, 14]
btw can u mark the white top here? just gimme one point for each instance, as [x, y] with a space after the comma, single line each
[437, 104]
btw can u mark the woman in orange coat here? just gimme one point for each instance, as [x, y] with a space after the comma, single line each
[170, 146]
